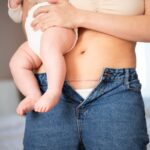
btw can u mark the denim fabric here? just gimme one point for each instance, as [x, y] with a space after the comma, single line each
[111, 118]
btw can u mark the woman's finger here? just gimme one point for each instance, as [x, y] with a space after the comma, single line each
[46, 25]
[54, 15]
[38, 19]
[40, 10]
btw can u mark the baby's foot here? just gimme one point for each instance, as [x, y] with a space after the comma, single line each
[46, 102]
[26, 105]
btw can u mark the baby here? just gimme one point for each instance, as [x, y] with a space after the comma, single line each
[46, 47]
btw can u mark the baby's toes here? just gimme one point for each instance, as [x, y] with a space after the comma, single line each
[19, 112]
[22, 113]
[42, 108]
[37, 107]
[45, 109]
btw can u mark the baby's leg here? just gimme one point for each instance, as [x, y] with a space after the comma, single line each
[56, 41]
[21, 65]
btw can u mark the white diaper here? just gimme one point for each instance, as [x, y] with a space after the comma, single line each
[34, 37]
[84, 92]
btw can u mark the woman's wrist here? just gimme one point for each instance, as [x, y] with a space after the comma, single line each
[82, 18]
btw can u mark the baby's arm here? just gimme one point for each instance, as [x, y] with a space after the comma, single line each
[15, 10]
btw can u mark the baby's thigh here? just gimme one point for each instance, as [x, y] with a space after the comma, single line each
[59, 37]
[24, 56]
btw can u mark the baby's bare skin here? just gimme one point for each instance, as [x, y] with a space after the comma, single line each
[30, 61]
[55, 42]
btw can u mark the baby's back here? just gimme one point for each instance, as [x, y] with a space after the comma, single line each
[34, 2]
[27, 4]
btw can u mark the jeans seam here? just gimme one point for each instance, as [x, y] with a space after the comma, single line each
[78, 126]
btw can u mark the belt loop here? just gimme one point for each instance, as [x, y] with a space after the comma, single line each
[127, 74]
[102, 75]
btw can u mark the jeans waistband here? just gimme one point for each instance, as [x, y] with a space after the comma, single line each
[113, 74]
[108, 74]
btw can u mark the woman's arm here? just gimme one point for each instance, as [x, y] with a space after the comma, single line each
[133, 28]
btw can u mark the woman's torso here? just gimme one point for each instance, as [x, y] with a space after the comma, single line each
[94, 50]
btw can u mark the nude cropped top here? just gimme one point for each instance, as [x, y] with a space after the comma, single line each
[120, 7]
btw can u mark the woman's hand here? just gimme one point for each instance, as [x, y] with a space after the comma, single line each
[60, 14]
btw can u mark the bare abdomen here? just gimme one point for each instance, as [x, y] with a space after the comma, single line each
[94, 52]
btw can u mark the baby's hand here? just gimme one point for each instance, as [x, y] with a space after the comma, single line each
[14, 3]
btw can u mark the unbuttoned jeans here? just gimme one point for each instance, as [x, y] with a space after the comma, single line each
[111, 118]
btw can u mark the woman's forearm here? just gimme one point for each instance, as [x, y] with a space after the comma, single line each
[133, 28]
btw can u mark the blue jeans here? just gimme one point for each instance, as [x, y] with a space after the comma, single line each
[111, 118]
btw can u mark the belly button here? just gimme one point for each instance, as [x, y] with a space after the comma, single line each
[82, 52]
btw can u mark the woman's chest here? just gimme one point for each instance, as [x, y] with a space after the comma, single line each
[123, 7]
